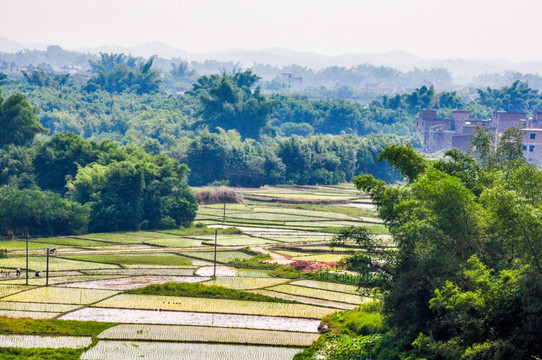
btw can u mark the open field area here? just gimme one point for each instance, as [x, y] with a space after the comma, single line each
[91, 275]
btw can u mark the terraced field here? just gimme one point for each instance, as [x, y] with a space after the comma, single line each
[91, 275]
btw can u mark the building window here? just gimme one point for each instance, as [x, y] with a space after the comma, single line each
[524, 147]
[531, 148]
[533, 136]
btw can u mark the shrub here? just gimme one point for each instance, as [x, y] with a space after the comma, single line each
[218, 195]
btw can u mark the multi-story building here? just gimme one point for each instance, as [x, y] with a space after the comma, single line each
[456, 131]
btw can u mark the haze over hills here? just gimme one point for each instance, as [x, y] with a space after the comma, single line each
[462, 69]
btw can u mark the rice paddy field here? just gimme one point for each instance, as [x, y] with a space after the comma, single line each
[91, 275]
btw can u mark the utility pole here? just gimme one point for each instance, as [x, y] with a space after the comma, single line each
[214, 269]
[52, 252]
[47, 271]
[27, 236]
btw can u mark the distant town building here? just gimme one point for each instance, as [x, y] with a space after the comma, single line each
[291, 82]
[71, 69]
[455, 132]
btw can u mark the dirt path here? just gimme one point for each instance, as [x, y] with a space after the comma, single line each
[275, 258]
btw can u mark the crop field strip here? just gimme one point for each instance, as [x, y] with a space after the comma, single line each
[246, 283]
[219, 306]
[322, 285]
[57, 263]
[128, 350]
[144, 271]
[135, 316]
[129, 283]
[34, 341]
[206, 334]
[61, 295]
[164, 259]
[318, 294]
[307, 300]
[221, 256]
[8, 290]
[37, 307]
[29, 314]
[57, 280]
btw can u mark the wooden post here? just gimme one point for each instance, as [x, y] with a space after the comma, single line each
[224, 218]
[27, 236]
[214, 269]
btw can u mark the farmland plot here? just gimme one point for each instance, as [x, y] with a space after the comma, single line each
[322, 285]
[31, 341]
[6, 290]
[121, 350]
[306, 300]
[56, 263]
[207, 334]
[130, 283]
[221, 256]
[39, 307]
[150, 271]
[155, 302]
[193, 318]
[61, 295]
[141, 259]
[319, 294]
[246, 283]
[29, 314]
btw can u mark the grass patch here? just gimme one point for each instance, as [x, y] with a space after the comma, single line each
[375, 229]
[366, 320]
[255, 262]
[49, 327]
[52, 327]
[201, 229]
[204, 291]
[336, 209]
[40, 354]
[143, 259]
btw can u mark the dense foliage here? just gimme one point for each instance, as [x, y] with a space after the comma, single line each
[466, 279]
[67, 185]
[18, 121]
[116, 73]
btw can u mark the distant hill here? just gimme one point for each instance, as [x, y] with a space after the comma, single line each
[463, 70]
[10, 46]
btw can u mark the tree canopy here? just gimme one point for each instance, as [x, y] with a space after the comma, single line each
[466, 279]
[19, 123]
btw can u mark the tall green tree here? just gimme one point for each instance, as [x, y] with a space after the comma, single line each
[230, 101]
[19, 123]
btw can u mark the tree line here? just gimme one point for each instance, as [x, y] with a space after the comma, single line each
[67, 185]
[465, 280]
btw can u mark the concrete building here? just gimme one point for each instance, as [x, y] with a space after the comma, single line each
[456, 131]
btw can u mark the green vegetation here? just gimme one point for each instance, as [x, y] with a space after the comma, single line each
[466, 281]
[48, 327]
[41, 354]
[336, 209]
[36, 212]
[52, 327]
[19, 122]
[137, 259]
[353, 335]
[204, 291]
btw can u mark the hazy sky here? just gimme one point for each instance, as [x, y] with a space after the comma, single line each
[429, 28]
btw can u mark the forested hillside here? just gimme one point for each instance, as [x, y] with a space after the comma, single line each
[227, 130]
